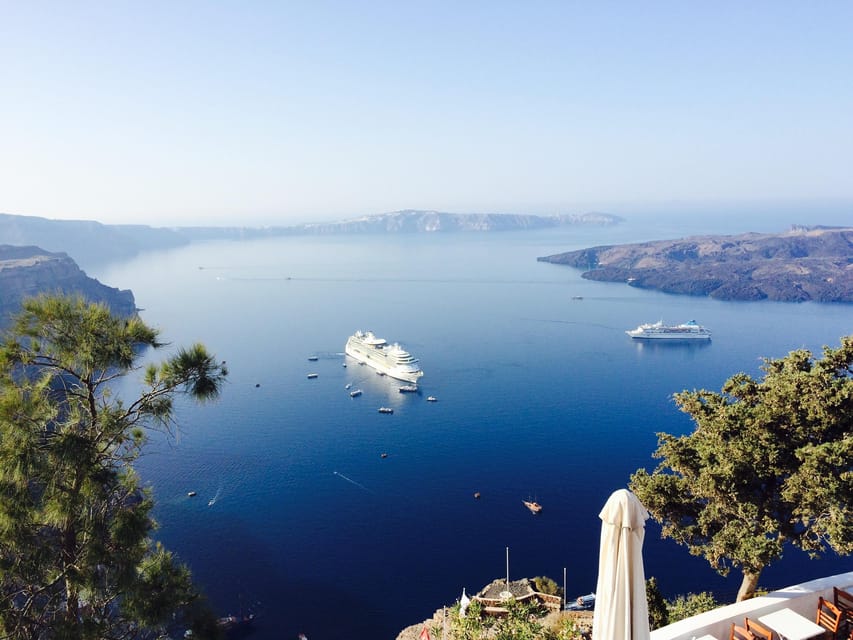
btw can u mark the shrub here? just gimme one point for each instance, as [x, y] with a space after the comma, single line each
[547, 585]
[690, 605]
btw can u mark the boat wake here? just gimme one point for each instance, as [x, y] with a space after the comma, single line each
[213, 500]
[351, 481]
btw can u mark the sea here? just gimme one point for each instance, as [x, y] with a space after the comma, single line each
[320, 515]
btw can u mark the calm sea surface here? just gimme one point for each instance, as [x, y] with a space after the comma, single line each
[298, 516]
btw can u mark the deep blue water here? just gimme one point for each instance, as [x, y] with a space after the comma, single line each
[538, 395]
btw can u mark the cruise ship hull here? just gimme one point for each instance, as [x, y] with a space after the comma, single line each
[390, 360]
[659, 331]
[669, 336]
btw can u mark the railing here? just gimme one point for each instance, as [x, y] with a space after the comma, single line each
[801, 598]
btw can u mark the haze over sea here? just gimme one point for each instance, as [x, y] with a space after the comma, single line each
[298, 516]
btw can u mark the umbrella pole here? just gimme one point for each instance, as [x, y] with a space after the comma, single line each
[507, 568]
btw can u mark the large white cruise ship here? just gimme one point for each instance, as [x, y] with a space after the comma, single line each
[659, 331]
[390, 359]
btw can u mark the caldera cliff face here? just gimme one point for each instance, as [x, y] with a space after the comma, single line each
[29, 271]
[804, 264]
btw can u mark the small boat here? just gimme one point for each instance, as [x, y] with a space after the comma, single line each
[386, 410]
[577, 297]
[192, 494]
[476, 495]
[313, 358]
[582, 603]
[408, 388]
[231, 621]
[348, 386]
[311, 376]
[432, 399]
[534, 506]
[383, 455]
[355, 393]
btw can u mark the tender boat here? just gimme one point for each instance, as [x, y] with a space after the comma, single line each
[192, 494]
[534, 507]
[387, 359]
[311, 376]
[313, 358]
[386, 410]
[355, 393]
[432, 399]
[659, 331]
[409, 388]
[582, 603]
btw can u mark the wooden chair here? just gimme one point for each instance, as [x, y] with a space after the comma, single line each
[758, 631]
[844, 601]
[739, 633]
[829, 617]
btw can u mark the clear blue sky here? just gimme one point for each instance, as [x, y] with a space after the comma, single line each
[184, 112]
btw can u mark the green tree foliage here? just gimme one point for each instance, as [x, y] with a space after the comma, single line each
[469, 627]
[565, 629]
[543, 584]
[520, 623]
[768, 464]
[76, 559]
[658, 611]
[690, 605]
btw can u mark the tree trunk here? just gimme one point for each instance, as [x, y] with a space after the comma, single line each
[747, 587]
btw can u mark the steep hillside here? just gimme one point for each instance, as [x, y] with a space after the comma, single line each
[87, 242]
[799, 265]
[29, 271]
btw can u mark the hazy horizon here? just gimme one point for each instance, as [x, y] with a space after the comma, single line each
[195, 114]
[785, 213]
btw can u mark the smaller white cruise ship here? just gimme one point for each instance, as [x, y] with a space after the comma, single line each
[390, 359]
[659, 331]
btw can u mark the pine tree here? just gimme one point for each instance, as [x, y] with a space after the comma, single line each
[76, 557]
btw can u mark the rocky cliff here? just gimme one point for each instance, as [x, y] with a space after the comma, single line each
[30, 271]
[87, 242]
[416, 221]
[407, 221]
[799, 265]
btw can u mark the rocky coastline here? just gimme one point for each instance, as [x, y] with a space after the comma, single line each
[803, 264]
[30, 271]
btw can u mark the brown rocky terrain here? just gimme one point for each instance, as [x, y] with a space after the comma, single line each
[29, 271]
[803, 264]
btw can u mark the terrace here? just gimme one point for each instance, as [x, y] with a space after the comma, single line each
[800, 598]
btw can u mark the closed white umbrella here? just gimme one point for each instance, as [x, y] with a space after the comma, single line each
[621, 612]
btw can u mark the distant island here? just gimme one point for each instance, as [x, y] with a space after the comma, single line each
[30, 271]
[803, 264]
[39, 255]
[406, 221]
[417, 221]
[90, 242]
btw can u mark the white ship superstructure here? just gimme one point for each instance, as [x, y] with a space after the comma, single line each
[659, 331]
[390, 359]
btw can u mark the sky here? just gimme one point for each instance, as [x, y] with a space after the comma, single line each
[250, 112]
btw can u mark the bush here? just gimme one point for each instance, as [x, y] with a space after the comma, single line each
[546, 585]
[690, 605]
